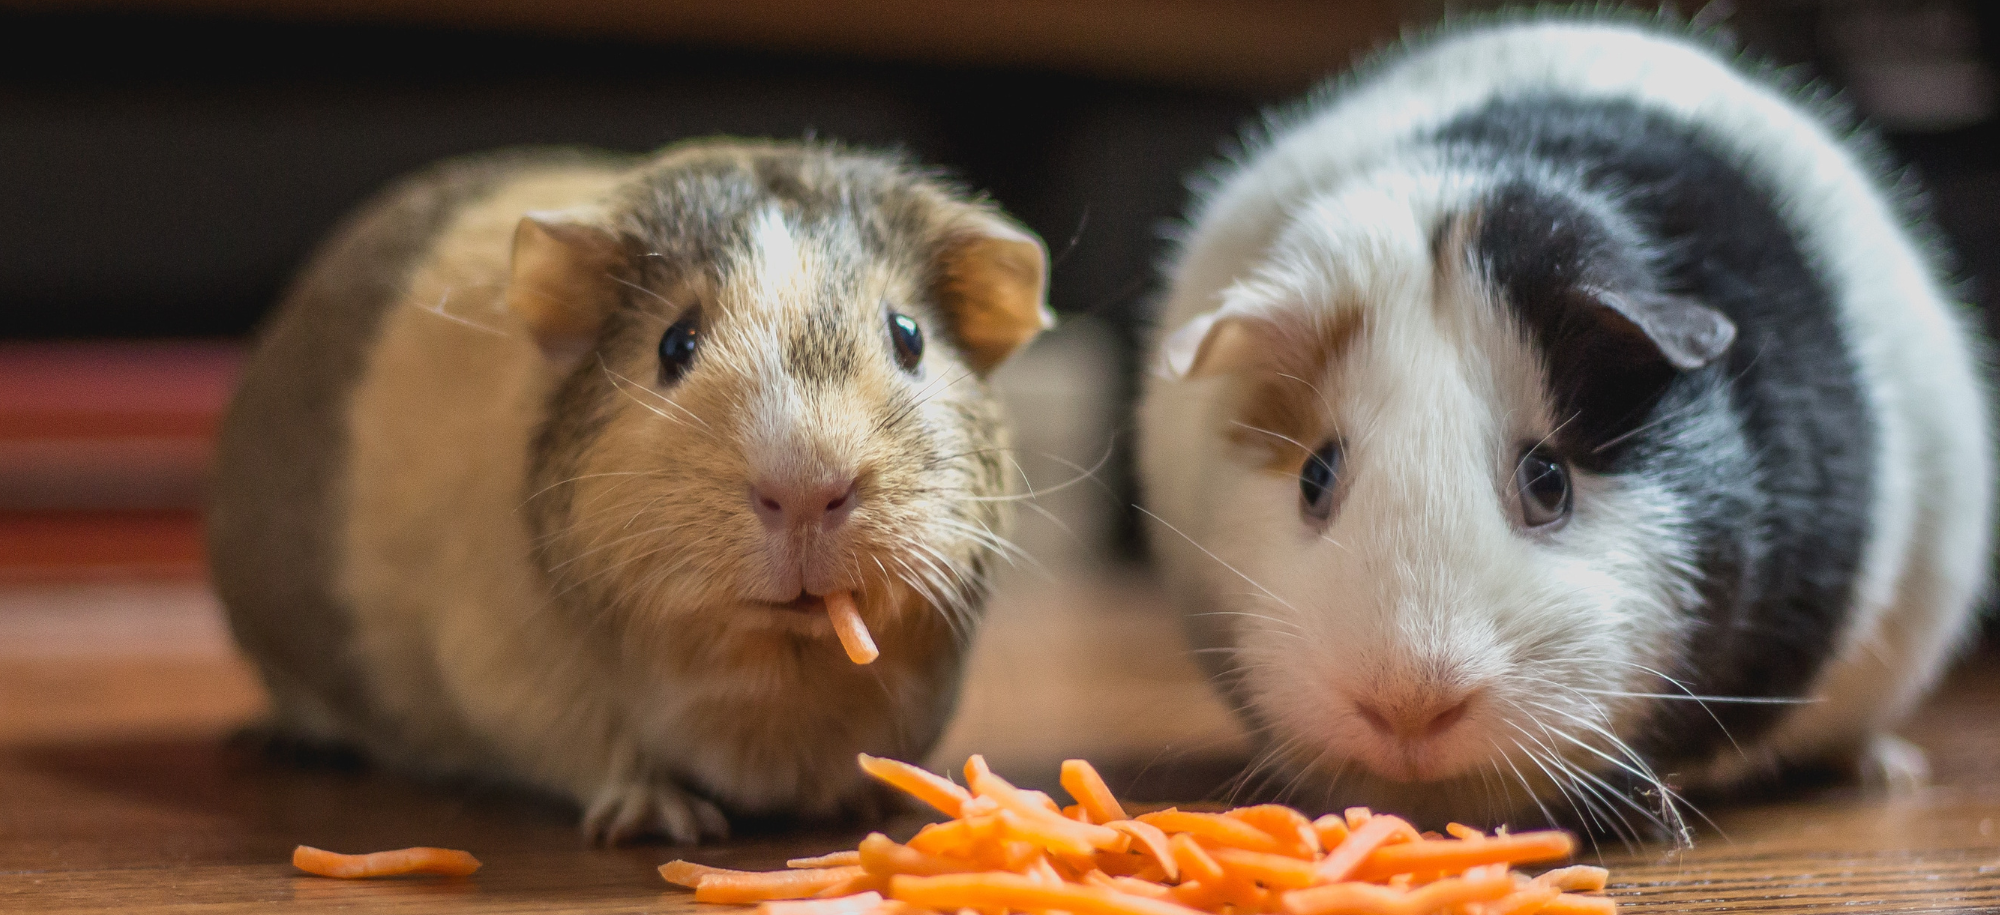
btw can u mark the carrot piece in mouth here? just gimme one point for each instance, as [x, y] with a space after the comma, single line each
[848, 626]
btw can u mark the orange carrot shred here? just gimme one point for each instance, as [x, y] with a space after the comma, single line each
[1374, 831]
[1571, 904]
[1576, 877]
[849, 627]
[1524, 900]
[1195, 861]
[1453, 857]
[1154, 841]
[1008, 849]
[1288, 826]
[846, 858]
[1012, 891]
[881, 855]
[922, 784]
[855, 904]
[1081, 780]
[1214, 827]
[1331, 829]
[762, 887]
[426, 861]
[689, 874]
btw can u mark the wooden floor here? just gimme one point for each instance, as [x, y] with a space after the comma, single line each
[117, 789]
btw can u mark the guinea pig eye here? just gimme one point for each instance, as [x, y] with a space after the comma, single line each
[1317, 479]
[908, 338]
[677, 347]
[1543, 482]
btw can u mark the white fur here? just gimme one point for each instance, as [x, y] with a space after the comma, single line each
[1331, 214]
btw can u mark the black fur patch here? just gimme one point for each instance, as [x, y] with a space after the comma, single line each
[1770, 447]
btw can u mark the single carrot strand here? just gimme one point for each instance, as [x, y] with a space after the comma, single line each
[882, 855]
[1277, 871]
[1570, 904]
[1038, 819]
[1046, 832]
[862, 883]
[1523, 901]
[1216, 828]
[1341, 863]
[1288, 826]
[1194, 860]
[848, 626]
[847, 858]
[762, 887]
[439, 862]
[1128, 885]
[955, 835]
[922, 784]
[1153, 840]
[1453, 857]
[1576, 877]
[845, 905]
[689, 874]
[1012, 891]
[1347, 899]
[1331, 829]
[1081, 780]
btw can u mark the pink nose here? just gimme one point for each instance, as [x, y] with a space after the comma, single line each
[790, 504]
[1415, 720]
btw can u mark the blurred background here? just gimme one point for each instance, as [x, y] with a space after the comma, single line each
[166, 164]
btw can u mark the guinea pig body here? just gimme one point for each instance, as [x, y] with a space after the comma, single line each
[1554, 417]
[546, 461]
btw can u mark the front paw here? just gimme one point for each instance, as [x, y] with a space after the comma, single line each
[623, 811]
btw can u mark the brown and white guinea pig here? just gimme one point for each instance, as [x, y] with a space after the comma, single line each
[544, 465]
[1556, 417]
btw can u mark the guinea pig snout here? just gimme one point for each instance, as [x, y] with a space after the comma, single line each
[1415, 720]
[790, 503]
[1412, 732]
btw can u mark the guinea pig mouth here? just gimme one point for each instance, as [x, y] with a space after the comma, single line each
[806, 602]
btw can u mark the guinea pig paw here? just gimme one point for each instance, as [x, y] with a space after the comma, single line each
[622, 812]
[1893, 764]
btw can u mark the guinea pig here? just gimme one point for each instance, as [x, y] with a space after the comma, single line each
[1558, 417]
[549, 465]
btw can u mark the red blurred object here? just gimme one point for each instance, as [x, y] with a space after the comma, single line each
[104, 455]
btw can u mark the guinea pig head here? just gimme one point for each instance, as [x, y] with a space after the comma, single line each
[1434, 584]
[769, 386]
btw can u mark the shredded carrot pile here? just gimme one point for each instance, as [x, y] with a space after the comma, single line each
[440, 862]
[848, 626]
[1008, 849]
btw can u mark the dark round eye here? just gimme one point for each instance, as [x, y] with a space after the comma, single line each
[909, 340]
[677, 347]
[1543, 482]
[1317, 479]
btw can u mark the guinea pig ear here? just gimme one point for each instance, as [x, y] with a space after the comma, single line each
[563, 277]
[1229, 340]
[992, 279]
[1687, 333]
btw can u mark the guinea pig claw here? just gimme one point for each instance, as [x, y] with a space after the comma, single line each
[623, 812]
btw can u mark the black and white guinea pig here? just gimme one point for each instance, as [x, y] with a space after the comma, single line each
[1556, 416]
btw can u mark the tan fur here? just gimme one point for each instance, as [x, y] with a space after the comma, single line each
[548, 564]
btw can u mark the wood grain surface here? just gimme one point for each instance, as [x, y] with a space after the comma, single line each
[118, 789]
